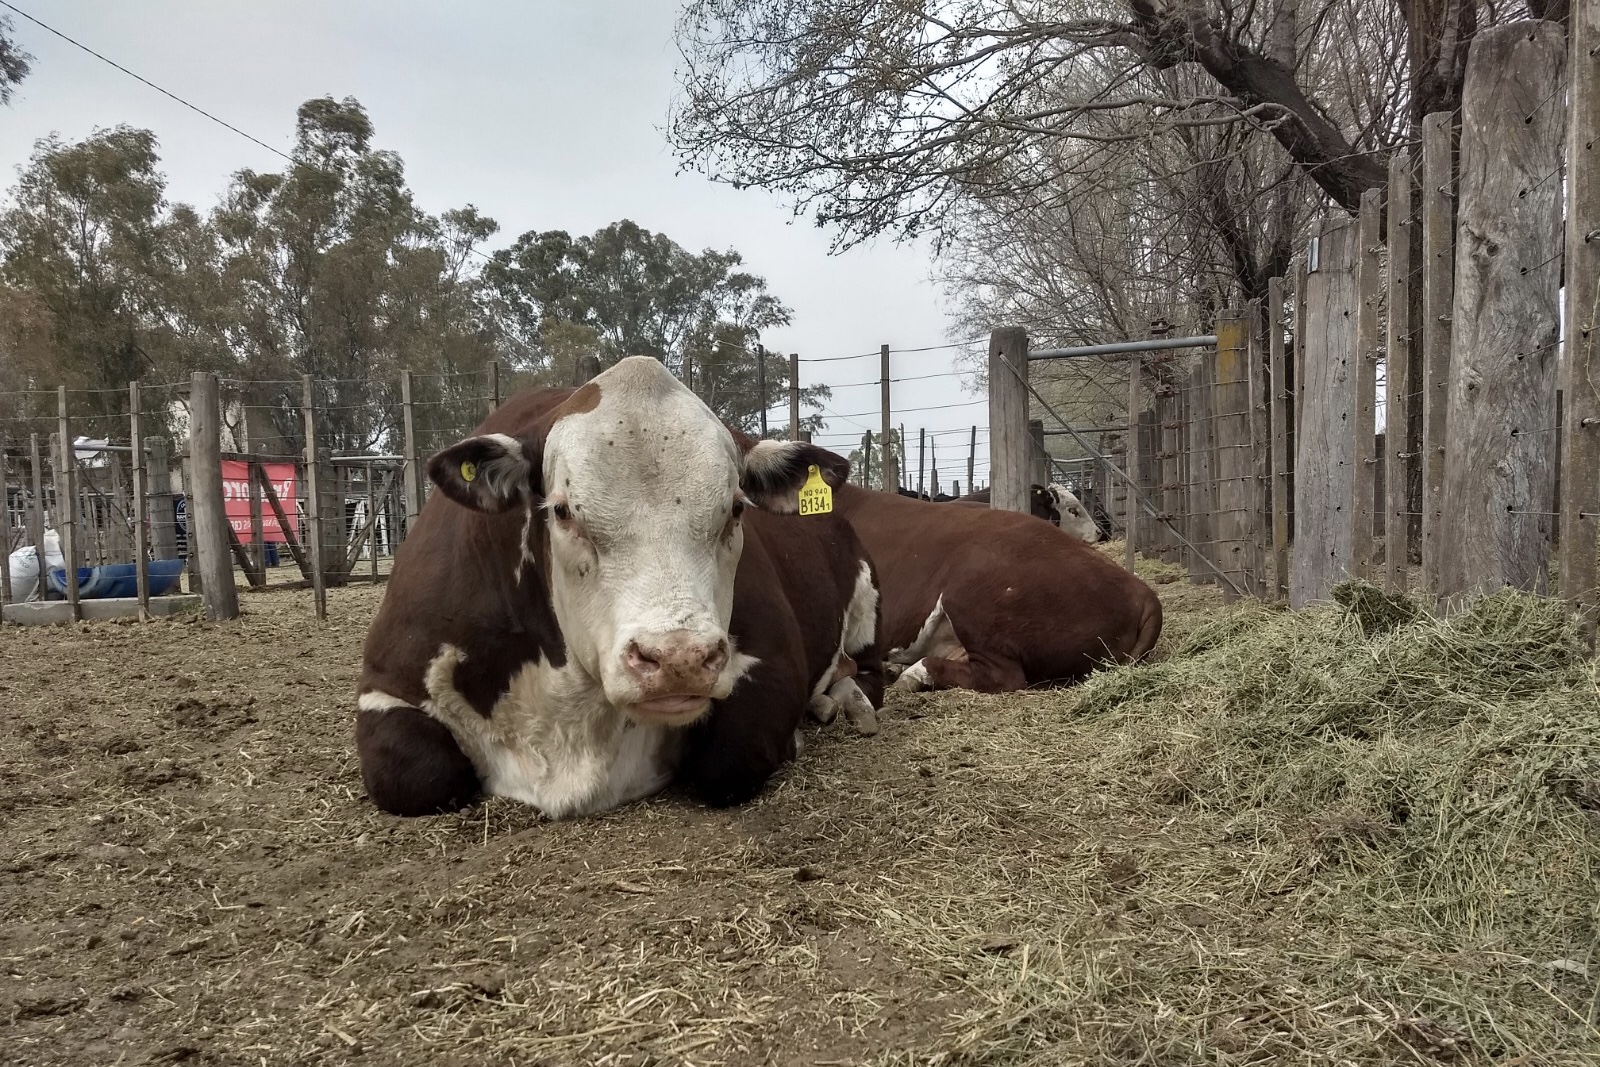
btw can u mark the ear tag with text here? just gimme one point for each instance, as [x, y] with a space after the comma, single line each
[469, 470]
[816, 496]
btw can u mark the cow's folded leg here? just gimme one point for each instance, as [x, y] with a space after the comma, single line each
[822, 708]
[986, 675]
[858, 710]
[913, 679]
[411, 763]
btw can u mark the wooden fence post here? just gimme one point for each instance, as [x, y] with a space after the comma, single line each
[208, 515]
[141, 537]
[5, 520]
[36, 511]
[66, 503]
[1325, 339]
[319, 553]
[494, 385]
[922, 460]
[372, 523]
[761, 387]
[1580, 455]
[1363, 425]
[163, 508]
[1282, 414]
[413, 462]
[1131, 513]
[258, 542]
[794, 396]
[1232, 459]
[1260, 452]
[1402, 454]
[1038, 455]
[1009, 445]
[1204, 408]
[1438, 289]
[888, 464]
[1498, 480]
[972, 459]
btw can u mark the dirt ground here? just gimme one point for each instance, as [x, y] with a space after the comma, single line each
[190, 873]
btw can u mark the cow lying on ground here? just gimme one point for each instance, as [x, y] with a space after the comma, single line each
[587, 609]
[1054, 503]
[1041, 503]
[994, 600]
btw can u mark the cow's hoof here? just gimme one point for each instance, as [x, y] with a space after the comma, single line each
[822, 708]
[891, 671]
[864, 719]
[857, 708]
[914, 679]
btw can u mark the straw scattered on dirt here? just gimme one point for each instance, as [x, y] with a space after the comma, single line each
[1345, 836]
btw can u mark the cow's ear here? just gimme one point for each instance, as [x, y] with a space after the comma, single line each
[774, 471]
[492, 473]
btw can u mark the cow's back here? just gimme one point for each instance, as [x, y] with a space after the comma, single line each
[1009, 584]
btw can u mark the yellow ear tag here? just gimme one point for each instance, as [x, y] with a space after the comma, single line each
[816, 496]
[469, 470]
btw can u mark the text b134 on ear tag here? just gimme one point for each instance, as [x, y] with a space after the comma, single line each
[469, 471]
[816, 496]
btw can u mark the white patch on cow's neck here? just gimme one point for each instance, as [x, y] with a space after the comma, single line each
[378, 700]
[525, 553]
[861, 617]
[553, 741]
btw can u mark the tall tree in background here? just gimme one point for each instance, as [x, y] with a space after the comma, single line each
[625, 291]
[336, 273]
[989, 124]
[14, 62]
[866, 459]
[90, 250]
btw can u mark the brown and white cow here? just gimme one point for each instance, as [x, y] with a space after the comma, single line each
[1054, 503]
[994, 600]
[1041, 502]
[588, 610]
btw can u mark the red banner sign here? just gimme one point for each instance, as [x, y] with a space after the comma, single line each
[236, 497]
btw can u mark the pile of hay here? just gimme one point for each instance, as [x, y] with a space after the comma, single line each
[1362, 834]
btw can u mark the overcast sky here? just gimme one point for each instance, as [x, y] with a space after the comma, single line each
[546, 114]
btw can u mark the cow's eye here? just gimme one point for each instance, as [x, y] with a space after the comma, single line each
[562, 513]
[738, 510]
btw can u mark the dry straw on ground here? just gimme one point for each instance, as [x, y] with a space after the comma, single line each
[1357, 835]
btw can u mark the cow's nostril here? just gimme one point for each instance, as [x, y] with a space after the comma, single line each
[641, 661]
[717, 658]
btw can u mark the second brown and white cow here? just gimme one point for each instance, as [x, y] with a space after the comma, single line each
[588, 609]
[1054, 503]
[991, 600]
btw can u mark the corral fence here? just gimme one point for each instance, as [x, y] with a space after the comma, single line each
[213, 483]
[1418, 404]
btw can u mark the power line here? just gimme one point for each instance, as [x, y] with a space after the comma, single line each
[192, 107]
[165, 92]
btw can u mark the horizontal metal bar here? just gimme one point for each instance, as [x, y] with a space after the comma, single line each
[1157, 344]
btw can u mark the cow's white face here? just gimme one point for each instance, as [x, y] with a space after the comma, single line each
[643, 504]
[639, 490]
[1075, 518]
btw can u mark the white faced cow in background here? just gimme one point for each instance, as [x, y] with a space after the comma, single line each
[588, 609]
[1075, 518]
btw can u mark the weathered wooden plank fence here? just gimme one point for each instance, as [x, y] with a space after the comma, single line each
[1415, 353]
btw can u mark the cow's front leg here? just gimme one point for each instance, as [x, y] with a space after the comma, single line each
[411, 763]
[846, 694]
